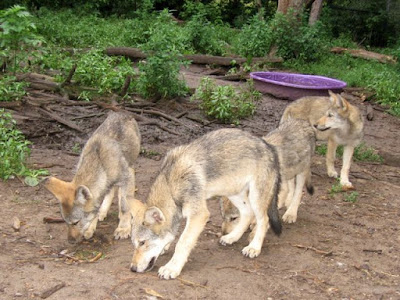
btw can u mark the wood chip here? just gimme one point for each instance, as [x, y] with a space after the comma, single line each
[52, 290]
[16, 224]
[153, 293]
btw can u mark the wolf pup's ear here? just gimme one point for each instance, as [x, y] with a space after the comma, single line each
[338, 101]
[153, 215]
[62, 190]
[83, 194]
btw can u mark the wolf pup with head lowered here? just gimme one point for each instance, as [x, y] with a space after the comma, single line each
[225, 162]
[336, 121]
[294, 141]
[105, 167]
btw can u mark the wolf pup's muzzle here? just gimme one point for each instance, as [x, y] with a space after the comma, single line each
[149, 267]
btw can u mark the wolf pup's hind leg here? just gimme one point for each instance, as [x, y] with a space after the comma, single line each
[105, 206]
[246, 215]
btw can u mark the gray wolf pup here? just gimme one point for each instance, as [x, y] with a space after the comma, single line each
[336, 121]
[105, 167]
[225, 162]
[294, 141]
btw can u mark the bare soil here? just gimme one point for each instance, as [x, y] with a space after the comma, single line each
[335, 250]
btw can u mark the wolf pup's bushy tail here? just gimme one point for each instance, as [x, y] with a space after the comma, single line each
[273, 213]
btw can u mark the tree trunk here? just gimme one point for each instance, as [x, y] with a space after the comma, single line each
[285, 5]
[315, 12]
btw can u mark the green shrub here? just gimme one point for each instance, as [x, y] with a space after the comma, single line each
[203, 36]
[254, 39]
[17, 31]
[160, 74]
[295, 39]
[224, 102]
[14, 152]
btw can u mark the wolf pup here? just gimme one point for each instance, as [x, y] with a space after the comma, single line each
[225, 162]
[294, 141]
[105, 167]
[336, 121]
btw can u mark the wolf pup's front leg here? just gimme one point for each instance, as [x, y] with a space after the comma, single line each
[344, 174]
[194, 226]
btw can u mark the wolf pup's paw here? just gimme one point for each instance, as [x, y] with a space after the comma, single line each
[122, 233]
[346, 185]
[289, 217]
[102, 215]
[226, 240]
[332, 173]
[251, 252]
[168, 272]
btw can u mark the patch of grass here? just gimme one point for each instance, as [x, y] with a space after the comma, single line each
[149, 153]
[365, 153]
[383, 79]
[361, 153]
[76, 148]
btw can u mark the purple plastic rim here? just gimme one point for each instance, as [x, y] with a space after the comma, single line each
[300, 81]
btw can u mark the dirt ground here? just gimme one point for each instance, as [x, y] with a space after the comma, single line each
[335, 250]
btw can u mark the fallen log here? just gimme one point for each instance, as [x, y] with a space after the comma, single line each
[134, 53]
[12, 104]
[386, 59]
[40, 82]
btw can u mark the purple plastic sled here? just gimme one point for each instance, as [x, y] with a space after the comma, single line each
[293, 86]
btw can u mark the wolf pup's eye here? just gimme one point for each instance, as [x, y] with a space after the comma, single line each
[330, 115]
[233, 219]
[75, 223]
[141, 243]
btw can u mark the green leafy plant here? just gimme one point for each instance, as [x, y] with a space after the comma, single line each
[14, 152]
[224, 102]
[351, 197]
[106, 73]
[11, 89]
[17, 30]
[336, 188]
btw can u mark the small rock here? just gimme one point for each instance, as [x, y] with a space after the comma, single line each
[41, 266]
[365, 267]
[340, 264]
[18, 295]
[16, 224]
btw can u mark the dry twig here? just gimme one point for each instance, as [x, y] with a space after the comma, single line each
[324, 253]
